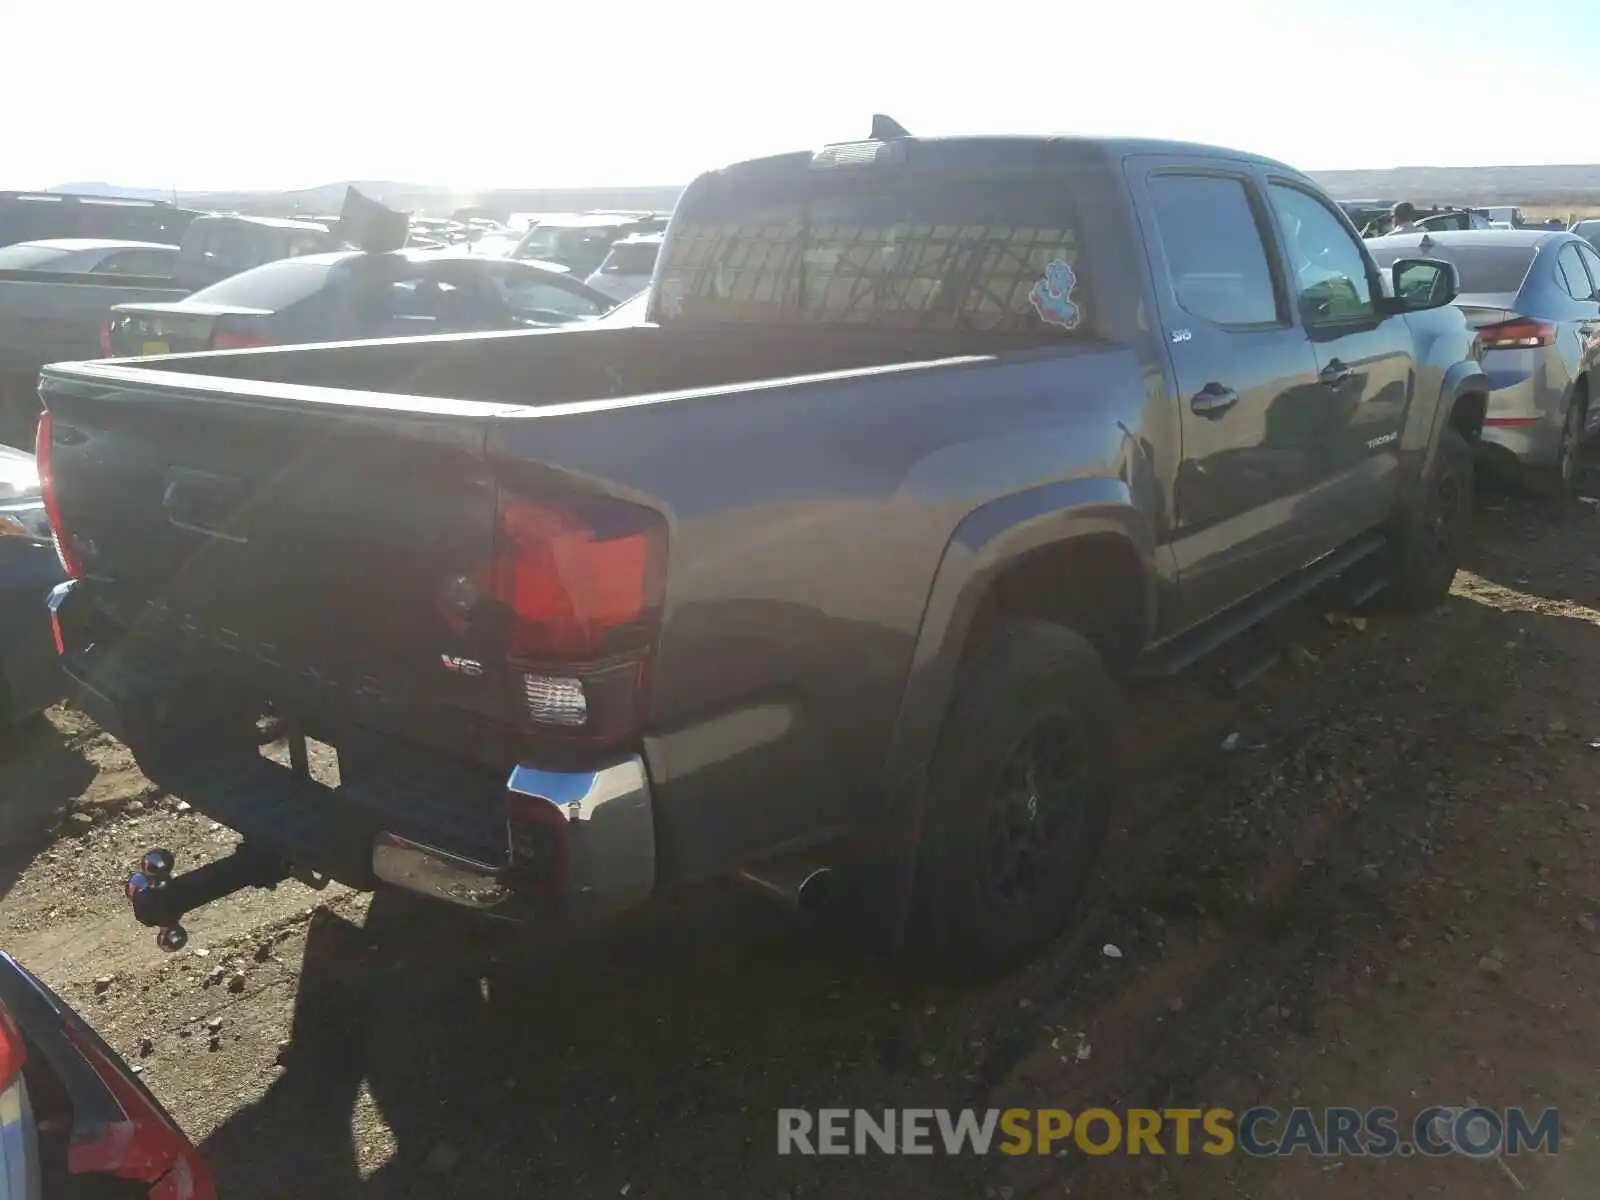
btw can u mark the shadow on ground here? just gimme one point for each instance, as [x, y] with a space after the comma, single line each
[656, 1057]
[42, 770]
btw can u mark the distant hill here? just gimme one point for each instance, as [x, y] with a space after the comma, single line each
[438, 201]
[111, 189]
[1575, 185]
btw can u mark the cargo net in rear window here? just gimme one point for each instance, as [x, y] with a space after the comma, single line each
[959, 277]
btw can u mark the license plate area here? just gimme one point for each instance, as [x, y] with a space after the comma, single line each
[147, 349]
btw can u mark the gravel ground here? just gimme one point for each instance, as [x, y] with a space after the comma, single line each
[1383, 892]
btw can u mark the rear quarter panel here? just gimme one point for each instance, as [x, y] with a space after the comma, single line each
[807, 525]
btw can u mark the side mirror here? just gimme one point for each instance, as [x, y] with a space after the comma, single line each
[1423, 283]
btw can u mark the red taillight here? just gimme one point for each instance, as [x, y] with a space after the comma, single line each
[225, 339]
[569, 588]
[1519, 333]
[13, 1051]
[44, 453]
[105, 339]
[577, 594]
[146, 1146]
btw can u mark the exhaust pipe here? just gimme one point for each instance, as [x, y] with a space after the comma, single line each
[797, 883]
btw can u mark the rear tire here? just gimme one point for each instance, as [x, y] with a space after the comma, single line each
[1429, 539]
[1019, 793]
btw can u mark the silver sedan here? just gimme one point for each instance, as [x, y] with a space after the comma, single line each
[1534, 297]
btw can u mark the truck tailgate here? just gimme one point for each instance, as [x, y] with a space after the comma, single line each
[305, 549]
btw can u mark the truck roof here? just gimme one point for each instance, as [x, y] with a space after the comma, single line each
[1471, 237]
[1011, 152]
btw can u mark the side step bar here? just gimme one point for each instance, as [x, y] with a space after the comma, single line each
[1171, 657]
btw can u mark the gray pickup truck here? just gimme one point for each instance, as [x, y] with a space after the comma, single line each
[824, 577]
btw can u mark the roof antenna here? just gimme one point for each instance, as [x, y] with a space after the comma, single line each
[886, 127]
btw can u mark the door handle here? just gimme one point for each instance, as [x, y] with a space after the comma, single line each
[1213, 400]
[1336, 374]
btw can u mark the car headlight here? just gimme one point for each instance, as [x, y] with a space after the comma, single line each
[21, 503]
[24, 517]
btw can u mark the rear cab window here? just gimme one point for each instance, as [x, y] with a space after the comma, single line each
[996, 254]
[273, 286]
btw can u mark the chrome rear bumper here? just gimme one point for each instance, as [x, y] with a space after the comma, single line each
[605, 828]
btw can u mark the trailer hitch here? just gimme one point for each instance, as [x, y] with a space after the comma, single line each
[161, 899]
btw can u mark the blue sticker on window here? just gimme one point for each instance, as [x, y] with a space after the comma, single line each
[1052, 296]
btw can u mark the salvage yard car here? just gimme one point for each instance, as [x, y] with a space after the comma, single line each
[1533, 295]
[351, 294]
[30, 679]
[826, 576]
[90, 256]
[76, 1122]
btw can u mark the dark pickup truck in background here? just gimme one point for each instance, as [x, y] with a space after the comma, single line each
[824, 577]
[47, 316]
[34, 216]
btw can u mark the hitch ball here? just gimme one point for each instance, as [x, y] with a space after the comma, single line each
[158, 865]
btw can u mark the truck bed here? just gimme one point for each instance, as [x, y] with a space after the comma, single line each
[534, 368]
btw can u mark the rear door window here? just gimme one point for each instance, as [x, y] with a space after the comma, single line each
[1216, 257]
[534, 298]
[401, 299]
[1572, 274]
[1591, 260]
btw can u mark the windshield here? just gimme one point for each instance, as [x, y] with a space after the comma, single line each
[989, 254]
[582, 247]
[30, 258]
[273, 286]
[1481, 269]
[637, 258]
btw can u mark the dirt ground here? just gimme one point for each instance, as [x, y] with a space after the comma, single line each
[1384, 891]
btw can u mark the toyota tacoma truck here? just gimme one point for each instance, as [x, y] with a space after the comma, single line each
[825, 576]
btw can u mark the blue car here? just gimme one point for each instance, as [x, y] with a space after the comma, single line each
[30, 680]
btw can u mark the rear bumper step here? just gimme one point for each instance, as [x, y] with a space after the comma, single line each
[570, 844]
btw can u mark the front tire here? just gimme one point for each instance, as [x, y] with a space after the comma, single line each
[1019, 793]
[1429, 540]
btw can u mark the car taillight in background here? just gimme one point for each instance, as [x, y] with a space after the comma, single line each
[1519, 333]
[13, 1052]
[229, 339]
[43, 456]
[574, 589]
[105, 339]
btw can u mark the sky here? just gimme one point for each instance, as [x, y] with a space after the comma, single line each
[496, 93]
